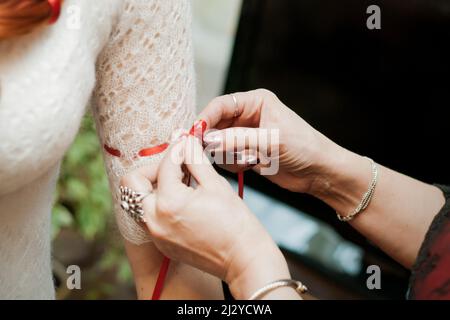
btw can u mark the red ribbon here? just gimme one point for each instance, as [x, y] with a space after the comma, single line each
[111, 151]
[159, 286]
[241, 184]
[55, 6]
[153, 150]
[197, 130]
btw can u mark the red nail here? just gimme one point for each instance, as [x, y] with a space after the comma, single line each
[198, 129]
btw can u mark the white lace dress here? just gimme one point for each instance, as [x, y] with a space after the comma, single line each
[133, 60]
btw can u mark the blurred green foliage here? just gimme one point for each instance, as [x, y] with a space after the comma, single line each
[83, 204]
[84, 201]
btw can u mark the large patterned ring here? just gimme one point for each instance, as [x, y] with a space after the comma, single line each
[131, 203]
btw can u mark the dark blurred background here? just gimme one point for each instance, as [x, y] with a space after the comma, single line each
[381, 93]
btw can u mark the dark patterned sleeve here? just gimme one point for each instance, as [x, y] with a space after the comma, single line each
[430, 277]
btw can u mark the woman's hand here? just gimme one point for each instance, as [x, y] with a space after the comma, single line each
[401, 208]
[301, 151]
[208, 227]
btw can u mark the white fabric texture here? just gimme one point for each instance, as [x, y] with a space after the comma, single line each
[133, 59]
[145, 89]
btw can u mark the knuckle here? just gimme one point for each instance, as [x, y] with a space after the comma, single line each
[263, 96]
[155, 225]
[164, 206]
[265, 93]
[217, 101]
[151, 225]
[128, 179]
[157, 233]
[125, 180]
[169, 208]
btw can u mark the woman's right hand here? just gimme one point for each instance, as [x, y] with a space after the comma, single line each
[301, 151]
[209, 226]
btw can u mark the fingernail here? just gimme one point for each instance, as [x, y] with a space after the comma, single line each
[198, 129]
[201, 123]
[250, 160]
[213, 137]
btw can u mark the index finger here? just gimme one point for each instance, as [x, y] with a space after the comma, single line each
[170, 174]
[224, 111]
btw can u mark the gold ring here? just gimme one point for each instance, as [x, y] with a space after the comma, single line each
[236, 106]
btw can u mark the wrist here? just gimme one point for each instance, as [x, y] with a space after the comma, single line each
[341, 178]
[319, 162]
[256, 268]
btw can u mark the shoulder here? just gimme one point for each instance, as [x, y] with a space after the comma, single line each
[139, 11]
[148, 26]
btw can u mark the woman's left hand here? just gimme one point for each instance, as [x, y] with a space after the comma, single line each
[208, 227]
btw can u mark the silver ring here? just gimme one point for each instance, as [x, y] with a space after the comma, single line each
[236, 106]
[131, 203]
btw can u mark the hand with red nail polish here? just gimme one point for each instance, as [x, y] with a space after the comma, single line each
[298, 149]
[209, 226]
[198, 129]
[311, 163]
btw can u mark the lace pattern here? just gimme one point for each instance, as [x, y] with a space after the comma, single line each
[145, 90]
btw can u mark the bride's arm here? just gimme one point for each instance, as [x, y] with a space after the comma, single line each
[182, 282]
[145, 90]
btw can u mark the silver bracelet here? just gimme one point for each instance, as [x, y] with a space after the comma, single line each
[366, 197]
[297, 285]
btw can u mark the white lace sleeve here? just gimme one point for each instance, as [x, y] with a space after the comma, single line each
[145, 90]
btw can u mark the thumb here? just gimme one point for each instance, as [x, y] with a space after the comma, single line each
[198, 163]
[170, 174]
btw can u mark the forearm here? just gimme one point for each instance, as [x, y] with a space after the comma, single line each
[399, 213]
[182, 282]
